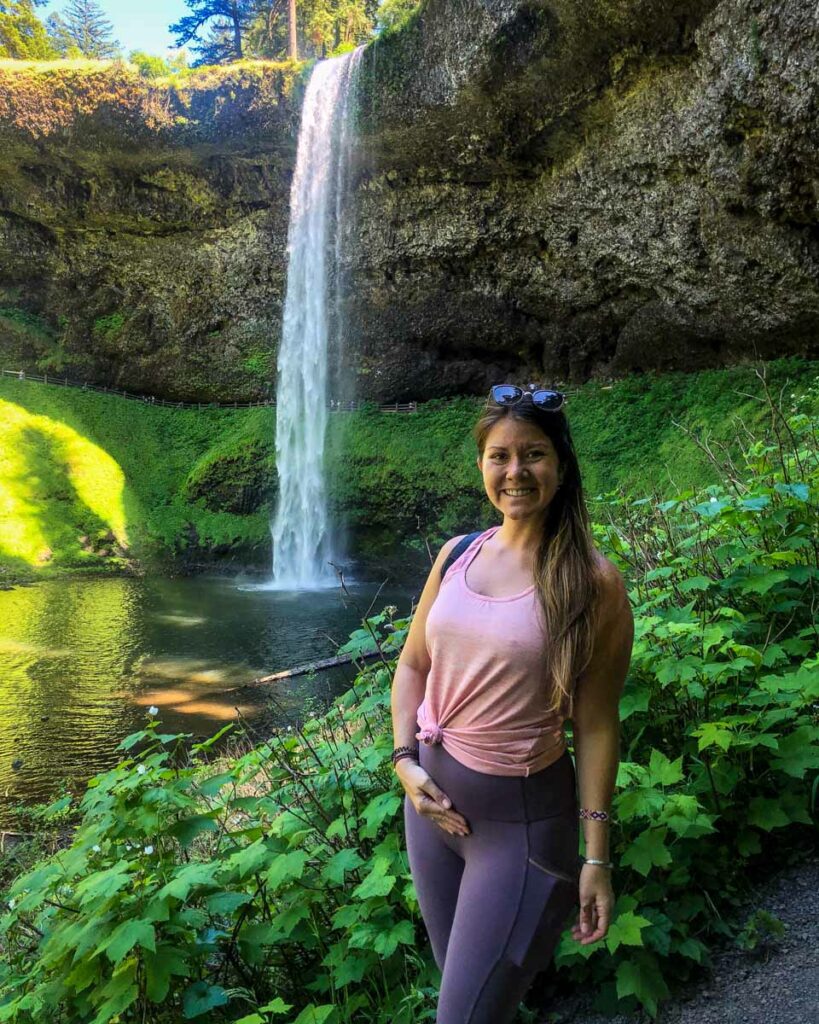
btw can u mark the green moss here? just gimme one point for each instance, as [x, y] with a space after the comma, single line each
[162, 483]
[415, 474]
[25, 327]
[260, 364]
[27, 339]
[107, 329]
[238, 474]
[153, 447]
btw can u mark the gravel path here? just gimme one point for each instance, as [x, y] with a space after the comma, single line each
[778, 986]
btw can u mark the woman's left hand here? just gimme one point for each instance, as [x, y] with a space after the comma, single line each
[596, 904]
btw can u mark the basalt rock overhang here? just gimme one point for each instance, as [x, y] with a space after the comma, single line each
[143, 224]
[572, 190]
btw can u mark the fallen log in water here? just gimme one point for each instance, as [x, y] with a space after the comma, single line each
[302, 670]
[314, 666]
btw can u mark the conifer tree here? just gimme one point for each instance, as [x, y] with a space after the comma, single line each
[84, 25]
[225, 21]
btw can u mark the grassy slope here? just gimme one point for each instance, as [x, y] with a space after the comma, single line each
[179, 469]
[156, 449]
[422, 466]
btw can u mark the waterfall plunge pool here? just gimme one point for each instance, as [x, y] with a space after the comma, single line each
[81, 661]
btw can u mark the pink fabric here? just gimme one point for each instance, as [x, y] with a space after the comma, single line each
[487, 692]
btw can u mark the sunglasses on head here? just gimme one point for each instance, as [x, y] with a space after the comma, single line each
[511, 394]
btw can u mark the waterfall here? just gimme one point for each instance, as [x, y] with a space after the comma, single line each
[302, 539]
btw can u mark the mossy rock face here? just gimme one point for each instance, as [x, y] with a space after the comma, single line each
[241, 481]
[563, 190]
[145, 224]
[541, 189]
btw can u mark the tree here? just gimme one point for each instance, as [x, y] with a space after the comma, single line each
[308, 28]
[292, 34]
[22, 35]
[84, 25]
[394, 14]
[226, 22]
[60, 38]
[149, 65]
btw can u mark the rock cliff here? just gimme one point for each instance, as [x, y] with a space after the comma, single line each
[571, 190]
[540, 187]
[143, 227]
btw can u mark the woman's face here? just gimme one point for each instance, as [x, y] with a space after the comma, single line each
[520, 468]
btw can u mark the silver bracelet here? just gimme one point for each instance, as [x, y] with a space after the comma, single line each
[601, 863]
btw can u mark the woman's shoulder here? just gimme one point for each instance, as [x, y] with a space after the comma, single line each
[606, 569]
[612, 592]
[453, 542]
[454, 550]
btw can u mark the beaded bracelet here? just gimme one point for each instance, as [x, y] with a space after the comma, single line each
[588, 815]
[400, 752]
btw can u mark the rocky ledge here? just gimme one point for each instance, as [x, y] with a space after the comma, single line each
[578, 190]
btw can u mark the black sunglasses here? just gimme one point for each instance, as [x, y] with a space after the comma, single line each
[511, 394]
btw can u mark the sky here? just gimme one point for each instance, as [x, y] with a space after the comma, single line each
[138, 24]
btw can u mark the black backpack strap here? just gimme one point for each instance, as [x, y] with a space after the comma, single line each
[458, 550]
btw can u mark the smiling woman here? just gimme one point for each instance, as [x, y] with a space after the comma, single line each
[527, 626]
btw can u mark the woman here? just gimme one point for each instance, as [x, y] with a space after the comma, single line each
[529, 625]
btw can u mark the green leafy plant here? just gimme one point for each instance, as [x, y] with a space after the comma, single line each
[269, 882]
[760, 932]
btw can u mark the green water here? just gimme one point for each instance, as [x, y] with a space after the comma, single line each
[82, 660]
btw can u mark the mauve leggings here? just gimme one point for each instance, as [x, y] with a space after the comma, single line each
[494, 902]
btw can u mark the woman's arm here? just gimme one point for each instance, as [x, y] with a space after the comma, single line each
[596, 730]
[408, 686]
[410, 678]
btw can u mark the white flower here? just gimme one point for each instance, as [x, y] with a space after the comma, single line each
[11, 904]
[149, 850]
[713, 499]
[141, 769]
[96, 847]
[152, 710]
[290, 728]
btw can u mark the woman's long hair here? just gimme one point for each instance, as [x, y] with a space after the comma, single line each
[566, 571]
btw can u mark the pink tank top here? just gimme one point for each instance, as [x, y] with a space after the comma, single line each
[487, 692]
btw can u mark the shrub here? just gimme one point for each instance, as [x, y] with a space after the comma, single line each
[273, 884]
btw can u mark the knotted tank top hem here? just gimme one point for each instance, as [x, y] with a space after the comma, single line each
[486, 767]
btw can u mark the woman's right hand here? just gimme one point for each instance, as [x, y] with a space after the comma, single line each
[428, 799]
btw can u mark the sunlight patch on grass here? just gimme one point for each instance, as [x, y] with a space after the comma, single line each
[55, 485]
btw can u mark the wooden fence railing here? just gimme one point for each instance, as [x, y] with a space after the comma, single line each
[65, 382]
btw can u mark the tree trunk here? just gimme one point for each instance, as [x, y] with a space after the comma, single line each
[292, 47]
[237, 32]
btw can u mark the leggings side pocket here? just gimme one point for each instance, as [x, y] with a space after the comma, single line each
[548, 896]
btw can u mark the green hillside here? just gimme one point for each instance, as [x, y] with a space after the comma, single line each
[92, 481]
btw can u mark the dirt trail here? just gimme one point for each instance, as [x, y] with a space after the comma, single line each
[779, 986]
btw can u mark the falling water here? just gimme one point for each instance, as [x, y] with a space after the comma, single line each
[302, 541]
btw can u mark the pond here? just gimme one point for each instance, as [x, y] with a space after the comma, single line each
[81, 660]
